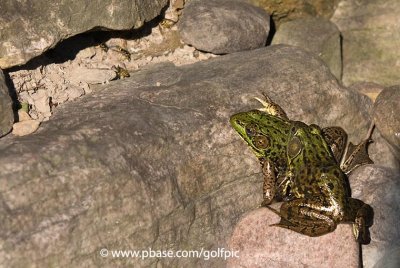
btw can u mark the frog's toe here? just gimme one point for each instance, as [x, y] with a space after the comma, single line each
[265, 203]
[361, 231]
[273, 210]
[284, 224]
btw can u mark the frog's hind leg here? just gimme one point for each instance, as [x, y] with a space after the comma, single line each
[361, 215]
[300, 216]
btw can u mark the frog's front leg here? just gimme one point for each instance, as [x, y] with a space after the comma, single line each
[312, 217]
[336, 138]
[269, 182]
[361, 215]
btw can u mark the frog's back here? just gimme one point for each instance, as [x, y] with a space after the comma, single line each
[315, 168]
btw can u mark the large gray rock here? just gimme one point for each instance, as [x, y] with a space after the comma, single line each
[371, 40]
[316, 35]
[28, 28]
[379, 187]
[152, 162]
[6, 112]
[224, 26]
[387, 116]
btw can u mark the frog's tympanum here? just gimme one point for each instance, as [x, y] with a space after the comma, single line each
[301, 167]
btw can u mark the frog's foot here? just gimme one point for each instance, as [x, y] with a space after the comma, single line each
[357, 155]
[271, 107]
[301, 216]
[361, 231]
[362, 222]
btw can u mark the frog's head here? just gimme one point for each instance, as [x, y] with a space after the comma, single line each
[267, 135]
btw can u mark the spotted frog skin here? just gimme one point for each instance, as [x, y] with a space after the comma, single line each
[301, 167]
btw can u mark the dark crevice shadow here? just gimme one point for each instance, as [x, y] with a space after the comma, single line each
[272, 31]
[13, 94]
[68, 49]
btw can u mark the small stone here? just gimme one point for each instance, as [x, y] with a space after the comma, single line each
[89, 76]
[224, 26]
[75, 92]
[42, 103]
[86, 53]
[23, 116]
[25, 127]
[369, 89]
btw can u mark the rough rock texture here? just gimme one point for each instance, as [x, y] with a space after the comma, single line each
[6, 112]
[371, 35]
[151, 160]
[390, 260]
[316, 35]
[387, 116]
[260, 245]
[224, 26]
[293, 9]
[28, 28]
[43, 80]
[379, 187]
[370, 89]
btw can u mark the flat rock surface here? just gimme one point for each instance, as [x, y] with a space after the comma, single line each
[6, 112]
[152, 162]
[224, 26]
[31, 27]
[371, 35]
[261, 245]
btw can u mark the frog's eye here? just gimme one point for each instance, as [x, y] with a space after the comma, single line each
[261, 142]
[251, 130]
[294, 147]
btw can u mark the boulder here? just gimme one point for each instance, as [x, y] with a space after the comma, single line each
[371, 35]
[31, 27]
[387, 116]
[6, 111]
[224, 26]
[316, 35]
[151, 162]
[379, 187]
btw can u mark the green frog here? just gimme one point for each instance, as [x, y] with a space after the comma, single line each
[301, 167]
